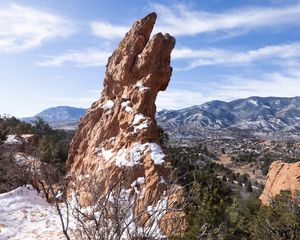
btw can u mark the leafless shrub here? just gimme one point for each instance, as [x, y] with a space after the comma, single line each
[116, 213]
[12, 173]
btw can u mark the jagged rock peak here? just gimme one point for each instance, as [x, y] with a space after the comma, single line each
[281, 176]
[118, 136]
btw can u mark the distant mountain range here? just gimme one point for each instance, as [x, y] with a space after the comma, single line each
[60, 117]
[268, 117]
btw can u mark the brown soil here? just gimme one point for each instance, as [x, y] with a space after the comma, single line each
[225, 160]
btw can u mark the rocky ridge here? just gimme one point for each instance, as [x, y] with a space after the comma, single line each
[282, 176]
[64, 117]
[265, 117]
[118, 140]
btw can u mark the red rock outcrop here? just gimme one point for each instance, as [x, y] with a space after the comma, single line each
[118, 136]
[281, 176]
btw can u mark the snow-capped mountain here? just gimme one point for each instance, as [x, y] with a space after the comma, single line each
[272, 117]
[60, 117]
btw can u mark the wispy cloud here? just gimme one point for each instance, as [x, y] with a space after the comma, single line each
[285, 84]
[181, 20]
[178, 98]
[212, 56]
[195, 57]
[79, 58]
[107, 30]
[23, 28]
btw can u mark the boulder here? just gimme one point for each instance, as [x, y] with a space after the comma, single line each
[281, 176]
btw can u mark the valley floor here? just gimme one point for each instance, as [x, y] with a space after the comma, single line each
[257, 175]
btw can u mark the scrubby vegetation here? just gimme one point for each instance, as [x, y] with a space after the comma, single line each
[219, 209]
[12, 175]
[53, 143]
[51, 148]
[280, 220]
[221, 204]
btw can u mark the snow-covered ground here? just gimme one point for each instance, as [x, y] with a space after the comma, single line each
[24, 214]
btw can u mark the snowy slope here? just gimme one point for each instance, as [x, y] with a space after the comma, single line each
[24, 214]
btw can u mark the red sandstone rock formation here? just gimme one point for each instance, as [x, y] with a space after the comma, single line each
[281, 176]
[118, 135]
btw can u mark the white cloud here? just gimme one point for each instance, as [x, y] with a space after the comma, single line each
[276, 84]
[23, 28]
[196, 57]
[80, 58]
[178, 98]
[226, 57]
[107, 30]
[188, 53]
[272, 84]
[180, 20]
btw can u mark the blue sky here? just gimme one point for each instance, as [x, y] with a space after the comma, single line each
[54, 52]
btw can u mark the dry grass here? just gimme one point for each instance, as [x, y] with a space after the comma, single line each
[225, 160]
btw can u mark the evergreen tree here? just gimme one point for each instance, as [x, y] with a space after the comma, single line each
[248, 186]
[280, 220]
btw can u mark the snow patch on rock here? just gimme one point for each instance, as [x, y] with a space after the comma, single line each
[135, 155]
[140, 126]
[137, 183]
[162, 180]
[121, 158]
[108, 104]
[137, 152]
[139, 122]
[141, 87]
[126, 106]
[107, 153]
[138, 118]
[156, 153]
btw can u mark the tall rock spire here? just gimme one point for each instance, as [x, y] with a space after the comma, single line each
[118, 136]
